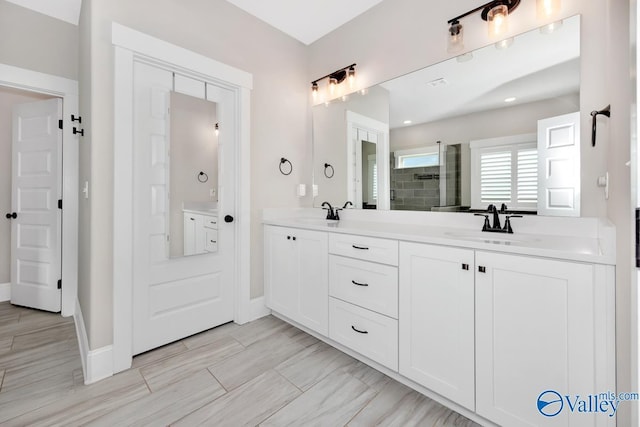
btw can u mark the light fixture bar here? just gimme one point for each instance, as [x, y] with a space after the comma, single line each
[511, 5]
[336, 77]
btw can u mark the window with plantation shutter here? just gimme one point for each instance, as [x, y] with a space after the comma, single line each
[504, 171]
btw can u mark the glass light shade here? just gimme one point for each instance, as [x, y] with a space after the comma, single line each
[314, 90]
[547, 8]
[498, 20]
[455, 43]
[352, 77]
[332, 85]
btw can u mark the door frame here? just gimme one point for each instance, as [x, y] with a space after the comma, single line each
[67, 90]
[130, 45]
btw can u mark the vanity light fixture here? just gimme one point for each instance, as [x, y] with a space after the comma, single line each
[217, 129]
[496, 13]
[335, 78]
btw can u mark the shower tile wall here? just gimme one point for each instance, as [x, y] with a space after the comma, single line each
[412, 193]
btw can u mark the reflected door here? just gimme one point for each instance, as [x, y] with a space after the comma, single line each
[176, 297]
[36, 220]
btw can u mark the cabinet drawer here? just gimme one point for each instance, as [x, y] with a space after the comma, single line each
[370, 334]
[366, 248]
[211, 222]
[211, 240]
[366, 284]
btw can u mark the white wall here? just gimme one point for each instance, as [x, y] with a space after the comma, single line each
[280, 125]
[37, 42]
[400, 36]
[8, 98]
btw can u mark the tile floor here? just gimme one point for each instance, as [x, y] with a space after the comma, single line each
[264, 373]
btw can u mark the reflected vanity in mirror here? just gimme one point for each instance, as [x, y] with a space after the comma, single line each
[492, 126]
[193, 176]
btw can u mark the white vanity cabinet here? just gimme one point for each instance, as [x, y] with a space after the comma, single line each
[436, 341]
[200, 233]
[542, 325]
[296, 275]
[363, 303]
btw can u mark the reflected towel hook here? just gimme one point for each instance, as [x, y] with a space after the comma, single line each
[606, 111]
[328, 174]
[282, 162]
[203, 177]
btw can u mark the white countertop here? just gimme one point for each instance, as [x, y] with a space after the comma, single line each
[584, 249]
[209, 212]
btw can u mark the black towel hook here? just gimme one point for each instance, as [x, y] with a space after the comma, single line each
[606, 111]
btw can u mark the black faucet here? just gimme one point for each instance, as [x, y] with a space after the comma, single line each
[495, 227]
[330, 213]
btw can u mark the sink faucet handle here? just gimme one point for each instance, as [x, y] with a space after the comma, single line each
[503, 208]
[486, 224]
[507, 223]
[347, 203]
[336, 216]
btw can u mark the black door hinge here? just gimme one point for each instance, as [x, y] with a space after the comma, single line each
[60, 284]
[60, 204]
[60, 124]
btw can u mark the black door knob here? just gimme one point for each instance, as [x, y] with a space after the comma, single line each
[11, 215]
[228, 218]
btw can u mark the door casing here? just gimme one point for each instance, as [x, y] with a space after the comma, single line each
[130, 45]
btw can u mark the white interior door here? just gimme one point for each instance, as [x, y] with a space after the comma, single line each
[175, 298]
[36, 189]
[559, 165]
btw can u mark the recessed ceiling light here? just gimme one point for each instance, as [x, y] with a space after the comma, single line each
[407, 122]
[510, 99]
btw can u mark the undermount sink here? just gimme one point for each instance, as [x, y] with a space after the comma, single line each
[488, 237]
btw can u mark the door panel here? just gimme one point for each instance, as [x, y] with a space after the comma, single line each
[175, 297]
[36, 188]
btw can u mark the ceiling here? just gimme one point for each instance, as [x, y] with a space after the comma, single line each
[65, 10]
[303, 20]
[293, 17]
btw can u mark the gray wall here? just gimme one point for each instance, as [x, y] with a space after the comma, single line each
[8, 98]
[280, 124]
[37, 42]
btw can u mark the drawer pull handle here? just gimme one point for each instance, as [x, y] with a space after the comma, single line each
[359, 284]
[465, 267]
[358, 331]
[362, 248]
[482, 269]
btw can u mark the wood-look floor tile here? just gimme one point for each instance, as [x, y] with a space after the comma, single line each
[41, 337]
[204, 338]
[88, 402]
[31, 323]
[262, 356]
[172, 369]
[167, 405]
[252, 332]
[312, 364]
[22, 400]
[158, 354]
[331, 402]
[365, 373]
[247, 405]
[398, 405]
[5, 344]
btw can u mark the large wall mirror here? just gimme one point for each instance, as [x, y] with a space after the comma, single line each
[497, 125]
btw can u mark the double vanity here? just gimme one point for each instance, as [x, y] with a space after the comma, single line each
[481, 322]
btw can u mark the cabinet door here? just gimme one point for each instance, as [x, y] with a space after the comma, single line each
[312, 251]
[539, 327]
[436, 319]
[296, 275]
[190, 221]
[281, 271]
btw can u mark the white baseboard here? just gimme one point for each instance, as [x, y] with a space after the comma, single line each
[5, 292]
[256, 309]
[96, 364]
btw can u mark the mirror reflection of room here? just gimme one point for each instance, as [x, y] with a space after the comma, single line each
[193, 179]
[468, 132]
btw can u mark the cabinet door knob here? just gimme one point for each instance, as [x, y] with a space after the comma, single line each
[294, 237]
[358, 331]
[482, 269]
[288, 237]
